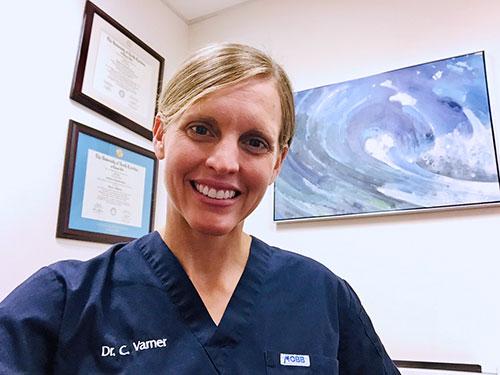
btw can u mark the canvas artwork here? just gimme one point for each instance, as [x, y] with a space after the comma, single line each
[415, 138]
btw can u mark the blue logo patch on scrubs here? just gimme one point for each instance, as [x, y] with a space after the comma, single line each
[301, 360]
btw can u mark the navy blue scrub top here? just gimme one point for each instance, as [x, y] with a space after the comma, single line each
[134, 310]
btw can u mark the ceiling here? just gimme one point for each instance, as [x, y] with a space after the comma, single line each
[192, 11]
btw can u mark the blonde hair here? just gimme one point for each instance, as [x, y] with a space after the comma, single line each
[217, 66]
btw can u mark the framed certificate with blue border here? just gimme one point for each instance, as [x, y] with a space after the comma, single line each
[108, 188]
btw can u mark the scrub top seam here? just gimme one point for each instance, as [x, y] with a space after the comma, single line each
[55, 275]
[352, 296]
[373, 342]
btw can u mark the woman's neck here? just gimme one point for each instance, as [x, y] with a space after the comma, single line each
[200, 252]
[214, 264]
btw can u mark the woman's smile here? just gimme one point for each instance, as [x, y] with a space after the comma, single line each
[213, 192]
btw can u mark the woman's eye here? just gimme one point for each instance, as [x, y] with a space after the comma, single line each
[198, 130]
[257, 145]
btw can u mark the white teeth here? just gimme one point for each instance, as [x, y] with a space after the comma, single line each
[212, 193]
[215, 194]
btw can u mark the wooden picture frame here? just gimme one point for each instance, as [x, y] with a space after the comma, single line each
[108, 188]
[117, 74]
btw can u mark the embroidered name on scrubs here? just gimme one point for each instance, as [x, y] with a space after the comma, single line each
[301, 360]
[109, 351]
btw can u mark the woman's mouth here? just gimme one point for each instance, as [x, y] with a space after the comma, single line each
[213, 193]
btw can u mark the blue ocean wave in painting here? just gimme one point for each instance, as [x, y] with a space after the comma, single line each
[417, 137]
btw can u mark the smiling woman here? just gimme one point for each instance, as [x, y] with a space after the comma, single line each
[220, 156]
[200, 296]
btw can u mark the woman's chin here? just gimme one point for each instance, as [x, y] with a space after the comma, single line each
[213, 229]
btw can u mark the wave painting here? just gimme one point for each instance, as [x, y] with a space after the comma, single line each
[418, 137]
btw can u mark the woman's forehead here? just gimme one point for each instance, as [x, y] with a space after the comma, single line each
[258, 88]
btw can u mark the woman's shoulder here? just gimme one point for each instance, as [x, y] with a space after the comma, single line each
[75, 271]
[122, 262]
[287, 261]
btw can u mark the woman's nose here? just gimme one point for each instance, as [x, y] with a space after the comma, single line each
[223, 157]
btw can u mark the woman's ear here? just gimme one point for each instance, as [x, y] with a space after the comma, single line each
[279, 163]
[158, 133]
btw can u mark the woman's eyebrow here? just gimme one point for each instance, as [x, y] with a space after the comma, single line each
[202, 118]
[259, 133]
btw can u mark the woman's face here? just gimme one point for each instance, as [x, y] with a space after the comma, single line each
[221, 155]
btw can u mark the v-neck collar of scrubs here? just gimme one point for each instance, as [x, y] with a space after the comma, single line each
[238, 312]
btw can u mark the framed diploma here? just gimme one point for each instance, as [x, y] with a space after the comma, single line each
[108, 188]
[117, 74]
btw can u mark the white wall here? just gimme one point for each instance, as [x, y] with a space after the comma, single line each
[430, 281]
[40, 40]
